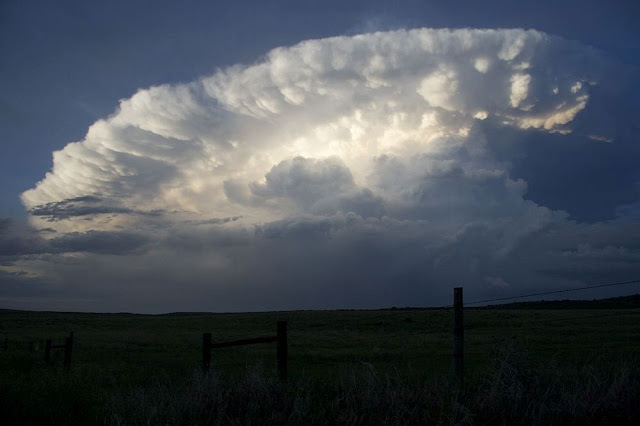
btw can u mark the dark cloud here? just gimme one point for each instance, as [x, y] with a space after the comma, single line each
[83, 206]
[17, 239]
[305, 228]
[305, 181]
[47, 231]
[587, 178]
[339, 261]
[318, 186]
[591, 172]
[198, 240]
[362, 202]
[215, 220]
[20, 290]
[103, 242]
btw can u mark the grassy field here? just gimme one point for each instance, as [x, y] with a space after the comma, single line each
[389, 366]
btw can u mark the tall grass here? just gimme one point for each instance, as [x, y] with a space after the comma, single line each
[137, 369]
[513, 390]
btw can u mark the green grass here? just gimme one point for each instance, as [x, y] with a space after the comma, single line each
[390, 366]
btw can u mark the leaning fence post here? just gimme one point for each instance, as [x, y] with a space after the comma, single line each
[458, 333]
[68, 345]
[282, 349]
[206, 352]
[47, 351]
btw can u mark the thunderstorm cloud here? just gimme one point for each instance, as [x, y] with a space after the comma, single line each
[372, 170]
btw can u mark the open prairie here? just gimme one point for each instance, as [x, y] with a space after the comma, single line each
[384, 366]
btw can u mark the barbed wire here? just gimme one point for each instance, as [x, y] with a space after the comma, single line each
[500, 299]
[404, 311]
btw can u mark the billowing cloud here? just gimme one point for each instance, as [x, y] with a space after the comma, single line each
[317, 186]
[386, 165]
[401, 93]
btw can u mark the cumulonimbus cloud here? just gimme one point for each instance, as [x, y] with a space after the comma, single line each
[397, 94]
[385, 137]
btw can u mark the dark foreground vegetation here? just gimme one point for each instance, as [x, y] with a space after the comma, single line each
[345, 367]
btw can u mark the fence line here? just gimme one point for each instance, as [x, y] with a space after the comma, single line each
[404, 311]
[456, 354]
[458, 350]
[500, 299]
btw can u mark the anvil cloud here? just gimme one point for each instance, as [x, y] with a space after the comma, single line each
[355, 171]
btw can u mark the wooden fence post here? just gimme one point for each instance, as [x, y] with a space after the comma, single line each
[458, 333]
[47, 351]
[282, 349]
[68, 345]
[206, 352]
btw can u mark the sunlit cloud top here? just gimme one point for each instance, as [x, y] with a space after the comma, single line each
[207, 146]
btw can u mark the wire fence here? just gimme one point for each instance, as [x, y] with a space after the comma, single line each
[520, 327]
[396, 336]
[546, 293]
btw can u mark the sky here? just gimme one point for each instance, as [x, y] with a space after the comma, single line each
[239, 156]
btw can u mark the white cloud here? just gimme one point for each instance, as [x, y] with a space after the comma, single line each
[376, 138]
[482, 65]
[519, 89]
[440, 88]
[401, 93]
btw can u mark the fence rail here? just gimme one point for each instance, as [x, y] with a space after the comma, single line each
[281, 344]
[67, 346]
